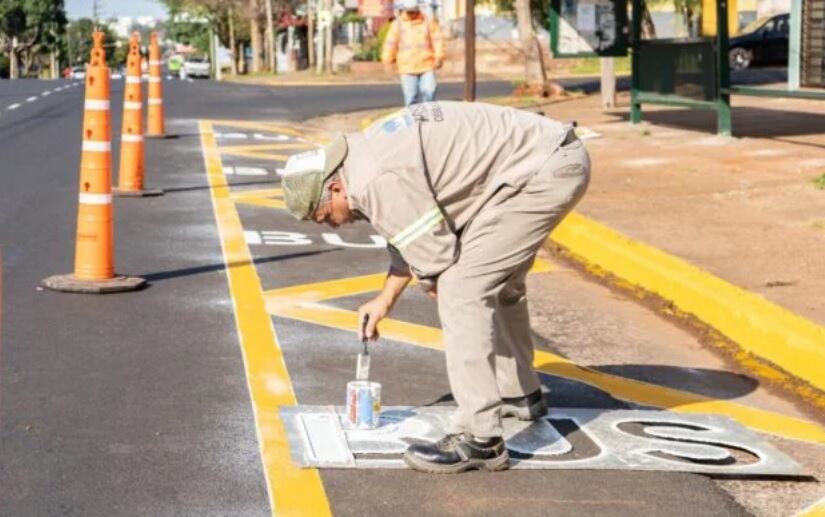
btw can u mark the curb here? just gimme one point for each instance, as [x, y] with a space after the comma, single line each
[377, 82]
[758, 326]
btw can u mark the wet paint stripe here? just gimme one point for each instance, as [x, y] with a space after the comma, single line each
[292, 491]
[305, 303]
[758, 326]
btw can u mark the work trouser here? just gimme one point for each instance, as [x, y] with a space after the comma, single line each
[481, 298]
[418, 87]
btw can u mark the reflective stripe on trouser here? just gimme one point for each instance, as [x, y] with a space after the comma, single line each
[481, 298]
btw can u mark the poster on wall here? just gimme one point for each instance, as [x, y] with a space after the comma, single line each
[582, 28]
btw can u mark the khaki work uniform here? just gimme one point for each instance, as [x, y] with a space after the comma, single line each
[465, 194]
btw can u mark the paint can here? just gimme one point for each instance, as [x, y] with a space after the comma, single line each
[363, 406]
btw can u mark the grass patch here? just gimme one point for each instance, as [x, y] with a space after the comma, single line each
[590, 65]
[819, 182]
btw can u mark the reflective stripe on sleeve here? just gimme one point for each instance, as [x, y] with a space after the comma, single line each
[418, 228]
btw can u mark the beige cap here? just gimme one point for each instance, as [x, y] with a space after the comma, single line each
[305, 173]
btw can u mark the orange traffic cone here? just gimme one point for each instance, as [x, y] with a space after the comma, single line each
[156, 127]
[132, 164]
[94, 268]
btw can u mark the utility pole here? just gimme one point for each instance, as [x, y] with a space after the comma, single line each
[270, 38]
[470, 51]
[95, 12]
[608, 83]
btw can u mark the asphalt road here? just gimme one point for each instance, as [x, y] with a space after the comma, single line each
[137, 404]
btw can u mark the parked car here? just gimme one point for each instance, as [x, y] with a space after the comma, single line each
[764, 41]
[78, 72]
[195, 67]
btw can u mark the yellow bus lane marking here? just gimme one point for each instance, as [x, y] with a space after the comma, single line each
[304, 303]
[268, 198]
[292, 491]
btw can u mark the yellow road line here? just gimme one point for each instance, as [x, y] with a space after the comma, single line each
[259, 126]
[268, 198]
[303, 302]
[817, 509]
[759, 327]
[292, 491]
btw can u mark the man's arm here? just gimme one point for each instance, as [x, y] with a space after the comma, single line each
[378, 308]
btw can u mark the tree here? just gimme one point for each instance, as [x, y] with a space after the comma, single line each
[28, 28]
[79, 43]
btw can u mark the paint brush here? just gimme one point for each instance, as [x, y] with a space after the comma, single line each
[362, 370]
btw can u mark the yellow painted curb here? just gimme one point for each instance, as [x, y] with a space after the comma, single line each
[760, 327]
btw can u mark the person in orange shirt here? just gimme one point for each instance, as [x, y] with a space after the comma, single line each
[414, 44]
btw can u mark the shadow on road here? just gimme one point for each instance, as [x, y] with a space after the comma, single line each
[209, 268]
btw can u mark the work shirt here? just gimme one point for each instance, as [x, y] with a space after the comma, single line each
[422, 173]
[414, 42]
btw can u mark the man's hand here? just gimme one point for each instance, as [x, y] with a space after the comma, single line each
[376, 309]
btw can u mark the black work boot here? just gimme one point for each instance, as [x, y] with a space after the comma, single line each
[457, 453]
[528, 407]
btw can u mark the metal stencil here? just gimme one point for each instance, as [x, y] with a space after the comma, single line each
[567, 439]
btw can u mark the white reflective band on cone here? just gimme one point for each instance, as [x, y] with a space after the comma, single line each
[154, 79]
[132, 79]
[155, 101]
[97, 147]
[131, 138]
[155, 63]
[95, 199]
[132, 105]
[96, 105]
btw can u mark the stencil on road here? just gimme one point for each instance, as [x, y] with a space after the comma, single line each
[604, 440]
[282, 238]
[245, 171]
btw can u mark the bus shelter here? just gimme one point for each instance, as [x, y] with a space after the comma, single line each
[691, 73]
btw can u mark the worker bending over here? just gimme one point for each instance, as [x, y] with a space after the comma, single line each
[465, 195]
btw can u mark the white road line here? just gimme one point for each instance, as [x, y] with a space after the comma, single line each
[190, 80]
[13, 107]
[31, 99]
[45, 94]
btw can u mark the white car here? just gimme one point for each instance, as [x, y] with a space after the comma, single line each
[78, 72]
[196, 67]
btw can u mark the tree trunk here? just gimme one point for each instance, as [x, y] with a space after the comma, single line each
[270, 38]
[328, 39]
[13, 59]
[310, 35]
[233, 45]
[648, 29]
[255, 36]
[533, 69]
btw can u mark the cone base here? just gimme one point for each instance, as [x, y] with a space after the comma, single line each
[71, 284]
[147, 192]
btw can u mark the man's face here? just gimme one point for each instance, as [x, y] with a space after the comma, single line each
[336, 211]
